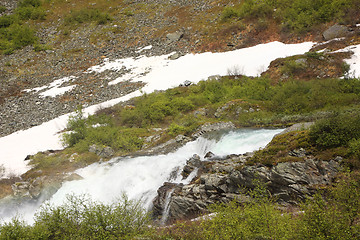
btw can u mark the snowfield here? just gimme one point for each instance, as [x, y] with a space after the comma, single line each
[159, 73]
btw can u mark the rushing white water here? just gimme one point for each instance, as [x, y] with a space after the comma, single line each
[140, 177]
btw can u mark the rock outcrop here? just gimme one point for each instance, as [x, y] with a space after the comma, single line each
[102, 151]
[225, 180]
[336, 31]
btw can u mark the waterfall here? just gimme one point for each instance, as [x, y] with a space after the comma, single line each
[140, 177]
[166, 207]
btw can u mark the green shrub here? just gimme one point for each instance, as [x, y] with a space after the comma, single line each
[15, 37]
[297, 15]
[255, 9]
[354, 147]
[29, 3]
[228, 13]
[2, 9]
[176, 129]
[7, 20]
[41, 47]
[30, 12]
[87, 15]
[258, 219]
[335, 131]
[81, 218]
[16, 229]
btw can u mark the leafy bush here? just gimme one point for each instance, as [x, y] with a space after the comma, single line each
[29, 3]
[15, 37]
[298, 15]
[81, 218]
[14, 33]
[176, 129]
[333, 217]
[228, 13]
[258, 219]
[16, 229]
[336, 131]
[34, 13]
[84, 132]
[7, 20]
[87, 15]
[354, 146]
[2, 9]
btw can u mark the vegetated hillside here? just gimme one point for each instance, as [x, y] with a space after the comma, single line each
[42, 41]
[72, 35]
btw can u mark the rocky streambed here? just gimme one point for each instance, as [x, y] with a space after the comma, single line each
[231, 178]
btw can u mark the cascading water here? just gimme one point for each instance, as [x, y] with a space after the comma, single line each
[140, 177]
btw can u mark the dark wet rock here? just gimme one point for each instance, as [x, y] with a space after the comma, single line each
[209, 155]
[223, 181]
[159, 201]
[209, 127]
[191, 164]
[298, 153]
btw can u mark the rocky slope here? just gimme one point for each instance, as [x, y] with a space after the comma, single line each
[181, 26]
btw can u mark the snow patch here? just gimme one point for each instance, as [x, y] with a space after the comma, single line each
[54, 88]
[144, 48]
[160, 73]
[354, 61]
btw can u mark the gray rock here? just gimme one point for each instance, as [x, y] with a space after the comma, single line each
[297, 127]
[335, 31]
[174, 56]
[208, 127]
[223, 181]
[174, 37]
[191, 164]
[105, 152]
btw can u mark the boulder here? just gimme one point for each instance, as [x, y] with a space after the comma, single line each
[174, 37]
[335, 31]
[174, 56]
[104, 152]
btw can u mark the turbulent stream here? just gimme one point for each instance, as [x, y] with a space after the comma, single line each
[140, 177]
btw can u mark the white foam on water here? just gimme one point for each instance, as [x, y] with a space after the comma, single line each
[140, 177]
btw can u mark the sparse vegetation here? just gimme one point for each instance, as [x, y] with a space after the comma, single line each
[15, 33]
[298, 16]
[87, 15]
